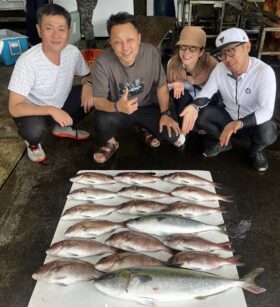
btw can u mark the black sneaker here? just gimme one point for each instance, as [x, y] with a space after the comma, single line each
[213, 149]
[259, 161]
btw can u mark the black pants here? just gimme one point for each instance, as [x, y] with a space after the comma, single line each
[31, 19]
[213, 119]
[33, 128]
[186, 99]
[107, 124]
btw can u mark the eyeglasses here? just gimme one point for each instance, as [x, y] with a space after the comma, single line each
[230, 52]
[191, 49]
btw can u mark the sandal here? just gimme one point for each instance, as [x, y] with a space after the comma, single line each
[148, 138]
[180, 144]
[107, 150]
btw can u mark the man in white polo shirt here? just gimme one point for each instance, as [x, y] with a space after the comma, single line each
[41, 91]
[248, 88]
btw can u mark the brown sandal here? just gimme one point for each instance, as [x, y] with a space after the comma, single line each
[107, 150]
[148, 138]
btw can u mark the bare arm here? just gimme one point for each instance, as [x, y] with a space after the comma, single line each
[123, 105]
[169, 122]
[18, 107]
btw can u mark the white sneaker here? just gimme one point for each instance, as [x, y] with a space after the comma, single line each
[35, 152]
[70, 132]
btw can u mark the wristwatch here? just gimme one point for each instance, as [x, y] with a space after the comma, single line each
[166, 112]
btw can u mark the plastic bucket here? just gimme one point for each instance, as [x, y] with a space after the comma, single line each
[90, 55]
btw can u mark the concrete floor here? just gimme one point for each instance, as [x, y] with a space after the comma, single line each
[33, 196]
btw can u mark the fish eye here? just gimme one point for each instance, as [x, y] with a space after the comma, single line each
[107, 276]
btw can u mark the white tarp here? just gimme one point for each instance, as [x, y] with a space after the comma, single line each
[83, 294]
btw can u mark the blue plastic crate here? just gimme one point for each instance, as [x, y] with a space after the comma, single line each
[12, 45]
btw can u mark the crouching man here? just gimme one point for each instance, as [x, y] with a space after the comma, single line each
[130, 89]
[41, 92]
[248, 88]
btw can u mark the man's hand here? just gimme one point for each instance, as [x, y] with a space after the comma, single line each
[178, 89]
[61, 117]
[189, 115]
[229, 129]
[87, 98]
[125, 105]
[170, 124]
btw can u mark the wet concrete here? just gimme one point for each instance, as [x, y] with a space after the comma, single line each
[33, 196]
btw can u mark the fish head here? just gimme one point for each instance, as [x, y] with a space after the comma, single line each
[76, 178]
[105, 264]
[55, 248]
[114, 283]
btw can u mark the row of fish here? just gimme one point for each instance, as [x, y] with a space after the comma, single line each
[94, 178]
[138, 207]
[149, 285]
[140, 192]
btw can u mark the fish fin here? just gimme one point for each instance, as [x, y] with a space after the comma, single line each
[143, 278]
[201, 298]
[160, 218]
[74, 255]
[146, 301]
[61, 284]
[249, 281]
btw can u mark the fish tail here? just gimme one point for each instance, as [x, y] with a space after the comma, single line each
[228, 199]
[221, 209]
[226, 246]
[235, 260]
[217, 185]
[249, 281]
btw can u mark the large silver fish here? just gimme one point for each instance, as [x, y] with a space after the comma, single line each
[92, 178]
[126, 260]
[201, 261]
[141, 207]
[149, 285]
[198, 194]
[78, 248]
[194, 243]
[136, 242]
[87, 211]
[187, 178]
[136, 178]
[169, 224]
[66, 272]
[136, 192]
[92, 228]
[190, 210]
[90, 194]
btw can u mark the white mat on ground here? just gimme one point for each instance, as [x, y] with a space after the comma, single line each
[83, 294]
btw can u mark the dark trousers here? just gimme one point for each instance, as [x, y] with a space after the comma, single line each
[213, 119]
[31, 20]
[148, 117]
[33, 128]
[186, 99]
[181, 103]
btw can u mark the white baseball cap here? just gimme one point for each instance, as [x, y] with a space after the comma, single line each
[230, 36]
